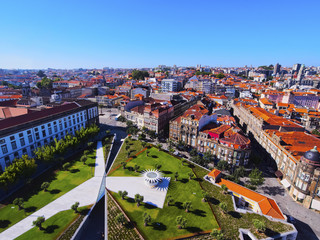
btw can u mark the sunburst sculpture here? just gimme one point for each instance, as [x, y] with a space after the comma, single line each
[152, 177]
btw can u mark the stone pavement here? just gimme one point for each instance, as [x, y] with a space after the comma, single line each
[85, 194]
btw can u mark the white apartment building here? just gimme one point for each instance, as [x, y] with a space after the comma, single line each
[23, 134]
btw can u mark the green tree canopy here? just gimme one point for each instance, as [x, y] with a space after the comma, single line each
[139, 75]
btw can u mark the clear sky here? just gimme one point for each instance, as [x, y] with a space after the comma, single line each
[134, 33]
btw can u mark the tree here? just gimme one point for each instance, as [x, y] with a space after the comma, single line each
[158, 166]
[224, 189]
[171, 150]
[191, 175]
[259, 225]
[159, 146]
[38, 222]
[138, 199]
[45, 186]
[223, 207]
[142, 137]
[239, 172]
[208, 157]
[83, 159]
[90, 144]
[220, 75]
[152, 134]
[120, 218]
[181, 222]
[123, 164]
[187, 205]
[136, 168]
[123, 194]
[222, 165]
[75, 206]
[169, 200]
[193, 152]
[86, 152]
[206, 196]
[143, 144]
[256, 177]
[139, 75]
[45, 83]
[176, 175]
[147, 152]
[146, 219]
[66, 166]
[41, 74]
[18, 202]
[108, 132]
[183, 162]
[217, 234]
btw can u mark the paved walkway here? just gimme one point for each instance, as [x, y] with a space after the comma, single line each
[85, 194]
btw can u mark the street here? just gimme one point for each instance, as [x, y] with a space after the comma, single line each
[306, 220]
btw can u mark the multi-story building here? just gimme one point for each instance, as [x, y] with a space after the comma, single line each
[202, 131]
[289, 146]
[23, 134]
[170, 85]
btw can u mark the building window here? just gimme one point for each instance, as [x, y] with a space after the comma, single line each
[22, 142]
[14, 145]
[4, 149]
[55, 128]
[37, 136]
[44, 133]
[30, 139]
[20, 135]
[11, 138]
[50, 130]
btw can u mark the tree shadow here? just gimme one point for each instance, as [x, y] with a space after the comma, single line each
[4, 223]
[30, 209]
[214, 201]
[270, 233]
[273, 190]
[184, 180]
[130, 200]
[84, 211]
[190, 165]
[55, 191]
[159, 226]
[75, 170]
[193, 229]
[130, 169]
[198, 179]
[234, 214]
[199, 212]
[167, 172]
[149, 206]
[178, 205]
[92, 164]
[154, 156]
[129, 225]
[51, 228]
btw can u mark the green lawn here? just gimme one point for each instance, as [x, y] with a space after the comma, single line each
[53, 226]
[135, 147]
[163, 225]
[232, 221]
[61, 182]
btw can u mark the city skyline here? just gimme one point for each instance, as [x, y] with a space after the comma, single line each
[147, 34]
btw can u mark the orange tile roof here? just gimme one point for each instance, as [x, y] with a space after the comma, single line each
[214, 173]
[268, 206]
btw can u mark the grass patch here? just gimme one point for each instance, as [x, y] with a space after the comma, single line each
[61, 182]
[163, 225]
[135, 147]
[116, 230]
[53, 226]
[106, 147]
[232, 221]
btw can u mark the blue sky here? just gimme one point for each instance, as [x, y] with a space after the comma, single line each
[115, 33]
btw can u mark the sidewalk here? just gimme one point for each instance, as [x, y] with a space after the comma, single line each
[85, 194]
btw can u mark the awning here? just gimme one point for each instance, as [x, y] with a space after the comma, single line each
[285, 183]
[301, 195]
[278, 174]
[295, 192]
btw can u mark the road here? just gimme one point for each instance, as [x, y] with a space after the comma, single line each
[307, 220]
[94, 228]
